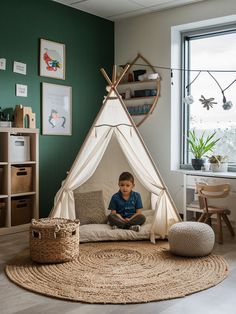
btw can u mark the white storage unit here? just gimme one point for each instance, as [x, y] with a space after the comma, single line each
[19, 178]
[191, 203]
[19, 148]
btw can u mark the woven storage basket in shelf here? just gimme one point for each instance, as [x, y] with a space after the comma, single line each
[54, 240]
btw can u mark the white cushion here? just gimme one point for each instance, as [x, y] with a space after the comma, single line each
[191, 239]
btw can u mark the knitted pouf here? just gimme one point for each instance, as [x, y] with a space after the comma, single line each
[191, 239]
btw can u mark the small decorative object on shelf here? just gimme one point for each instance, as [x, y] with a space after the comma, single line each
[139, 110]
[130, 77]
[19, 117]
[5, 121]
[140, 89]
[218, 163]
[138, 73]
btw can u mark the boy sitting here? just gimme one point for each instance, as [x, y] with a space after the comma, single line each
[126, 205]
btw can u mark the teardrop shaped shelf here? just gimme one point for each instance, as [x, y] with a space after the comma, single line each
[140, 93]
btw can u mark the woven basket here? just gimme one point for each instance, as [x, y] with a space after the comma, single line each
[54, 240]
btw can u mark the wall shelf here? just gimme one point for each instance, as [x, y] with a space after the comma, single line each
[139, 107]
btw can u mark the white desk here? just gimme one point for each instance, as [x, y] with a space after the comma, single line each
[190, 199]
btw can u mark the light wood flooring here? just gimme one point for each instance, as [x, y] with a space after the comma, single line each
[217, 300]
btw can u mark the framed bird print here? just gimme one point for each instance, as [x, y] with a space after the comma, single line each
[52, 59]
[56, 109]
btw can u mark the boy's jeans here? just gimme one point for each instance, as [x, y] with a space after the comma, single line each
[115, 220]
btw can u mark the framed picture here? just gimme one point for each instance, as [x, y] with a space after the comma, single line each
[56, 109]
[52, 59]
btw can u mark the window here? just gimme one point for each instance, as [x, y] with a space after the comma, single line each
[210, 50]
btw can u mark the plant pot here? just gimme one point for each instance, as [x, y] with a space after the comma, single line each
[197, 163]
[222, 167]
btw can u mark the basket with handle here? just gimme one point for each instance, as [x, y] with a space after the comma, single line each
[54, 240]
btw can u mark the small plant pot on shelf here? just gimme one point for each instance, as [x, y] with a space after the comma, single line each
[222, 167]
[197, 163]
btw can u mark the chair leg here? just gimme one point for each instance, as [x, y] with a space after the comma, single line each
[219, 229]
[202, 217]
[209, 222]
[207, 218]
[226, 219]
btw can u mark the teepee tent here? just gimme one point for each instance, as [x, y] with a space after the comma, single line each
[114, 121]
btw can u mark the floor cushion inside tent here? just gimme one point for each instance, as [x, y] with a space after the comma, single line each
[103, 232]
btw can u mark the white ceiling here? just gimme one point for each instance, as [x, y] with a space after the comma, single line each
[118, 9]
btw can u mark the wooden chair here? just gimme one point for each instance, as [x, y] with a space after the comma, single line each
[206, 192]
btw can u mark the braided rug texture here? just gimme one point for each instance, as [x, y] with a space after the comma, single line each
[119, 273]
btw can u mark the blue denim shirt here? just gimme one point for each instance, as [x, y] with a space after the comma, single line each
[126, 208]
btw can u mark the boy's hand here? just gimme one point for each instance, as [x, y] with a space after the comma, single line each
[127, 219]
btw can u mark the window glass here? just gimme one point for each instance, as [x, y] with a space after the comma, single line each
[211, 52]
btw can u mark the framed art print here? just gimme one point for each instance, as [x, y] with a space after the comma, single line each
[52, 59]
[56, 109]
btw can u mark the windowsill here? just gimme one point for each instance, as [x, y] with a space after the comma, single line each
[228, 174]
[231, 168]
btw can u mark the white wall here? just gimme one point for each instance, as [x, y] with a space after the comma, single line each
[151, 36]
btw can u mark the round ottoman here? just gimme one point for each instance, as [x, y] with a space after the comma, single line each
[191, 239]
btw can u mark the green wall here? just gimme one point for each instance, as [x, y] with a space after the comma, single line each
[89, 42]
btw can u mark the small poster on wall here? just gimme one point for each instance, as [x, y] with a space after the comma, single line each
[52, 59]
[56, 109]
[21, 90]
[19, 67]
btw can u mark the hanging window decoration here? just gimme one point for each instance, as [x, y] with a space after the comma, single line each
[189, 98]
[226, 104]
[207, 103]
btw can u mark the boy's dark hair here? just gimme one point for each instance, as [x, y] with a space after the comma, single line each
[126, 176]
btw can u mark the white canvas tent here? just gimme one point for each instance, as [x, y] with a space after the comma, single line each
[114, 122]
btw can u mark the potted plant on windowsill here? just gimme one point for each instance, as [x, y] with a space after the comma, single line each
[218, 163]
[199, 146]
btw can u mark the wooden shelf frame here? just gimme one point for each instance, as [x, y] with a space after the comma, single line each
[6, 164]
[154, 84]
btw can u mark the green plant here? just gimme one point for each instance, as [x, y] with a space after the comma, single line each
[199, 146]
[217, 159]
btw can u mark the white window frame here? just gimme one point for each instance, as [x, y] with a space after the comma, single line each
[177, 119]
[185, 39]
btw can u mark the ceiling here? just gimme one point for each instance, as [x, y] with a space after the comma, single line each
[118, 9]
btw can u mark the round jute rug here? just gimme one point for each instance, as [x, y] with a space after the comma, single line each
[120, 272]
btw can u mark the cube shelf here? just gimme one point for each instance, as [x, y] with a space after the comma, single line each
[19, 178]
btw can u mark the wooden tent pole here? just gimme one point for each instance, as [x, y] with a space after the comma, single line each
[114, 82]
[106, 76]
[122, 74]
[114, 74]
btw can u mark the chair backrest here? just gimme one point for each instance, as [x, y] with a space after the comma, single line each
[213, 191]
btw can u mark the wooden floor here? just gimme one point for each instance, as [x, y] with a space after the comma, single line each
[217, 300]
